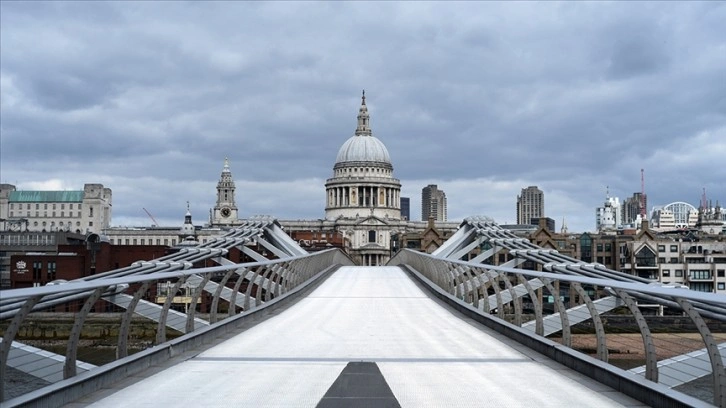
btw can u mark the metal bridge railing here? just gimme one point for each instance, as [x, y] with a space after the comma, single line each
[617, 322]
[104, 316]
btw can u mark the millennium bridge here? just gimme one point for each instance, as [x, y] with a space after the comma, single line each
[312, 329]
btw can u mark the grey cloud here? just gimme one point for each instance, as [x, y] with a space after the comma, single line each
[572, 97]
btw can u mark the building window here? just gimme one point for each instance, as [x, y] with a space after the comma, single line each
[721, 286]
[701, 286]
[599, 247]
[674, 260]
[371, 236]
[720, 273]
[158, 241]
[661, 260]
[143, 241]
[37, 266]
[90, 223]
[127, 241]
[699, 274]
[608, 246]
[134, 241]
[63, 206]
[679, 273]
[70, 206]
[54, 206]
[674, 248]
[661, 248]
[666, 272]
[645, 257]
[37, 206]
[51, 270]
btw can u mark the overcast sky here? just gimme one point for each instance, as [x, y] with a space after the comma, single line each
[483, 99]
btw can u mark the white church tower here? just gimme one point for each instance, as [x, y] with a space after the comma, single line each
[608, 217]
[225, 210]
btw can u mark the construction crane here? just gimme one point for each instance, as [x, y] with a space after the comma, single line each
[156, 224]
[642, 194]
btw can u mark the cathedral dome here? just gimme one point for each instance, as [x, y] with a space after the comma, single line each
[363, 147]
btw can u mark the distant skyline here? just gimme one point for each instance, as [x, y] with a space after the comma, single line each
[480, 98]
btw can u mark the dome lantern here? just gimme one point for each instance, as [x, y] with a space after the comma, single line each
[363, 147]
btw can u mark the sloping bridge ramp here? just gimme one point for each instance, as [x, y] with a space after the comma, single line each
[415, 351]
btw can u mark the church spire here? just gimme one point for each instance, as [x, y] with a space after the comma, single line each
[363, 128]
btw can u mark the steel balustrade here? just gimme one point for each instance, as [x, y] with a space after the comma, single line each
[265, 281]
[483, 286]
[262, 230]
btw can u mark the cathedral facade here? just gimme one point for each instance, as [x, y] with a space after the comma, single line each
[363, 198]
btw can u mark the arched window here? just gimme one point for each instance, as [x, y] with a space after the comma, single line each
[645, 257]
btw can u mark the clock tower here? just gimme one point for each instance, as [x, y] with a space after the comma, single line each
[225, 210]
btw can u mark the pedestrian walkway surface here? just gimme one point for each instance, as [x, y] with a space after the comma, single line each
[406, 349]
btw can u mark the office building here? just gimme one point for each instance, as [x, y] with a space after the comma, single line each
[631, 209]
[405, 208]
[433, 203]
[530, 204]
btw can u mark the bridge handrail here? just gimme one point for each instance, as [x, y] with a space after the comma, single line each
[473, 283]
[265, 281]
[652, 289]
[73, 286]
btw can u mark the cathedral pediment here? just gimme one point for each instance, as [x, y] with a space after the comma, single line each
[372, 221]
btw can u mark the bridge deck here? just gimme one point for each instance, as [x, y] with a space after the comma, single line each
[427, 356]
